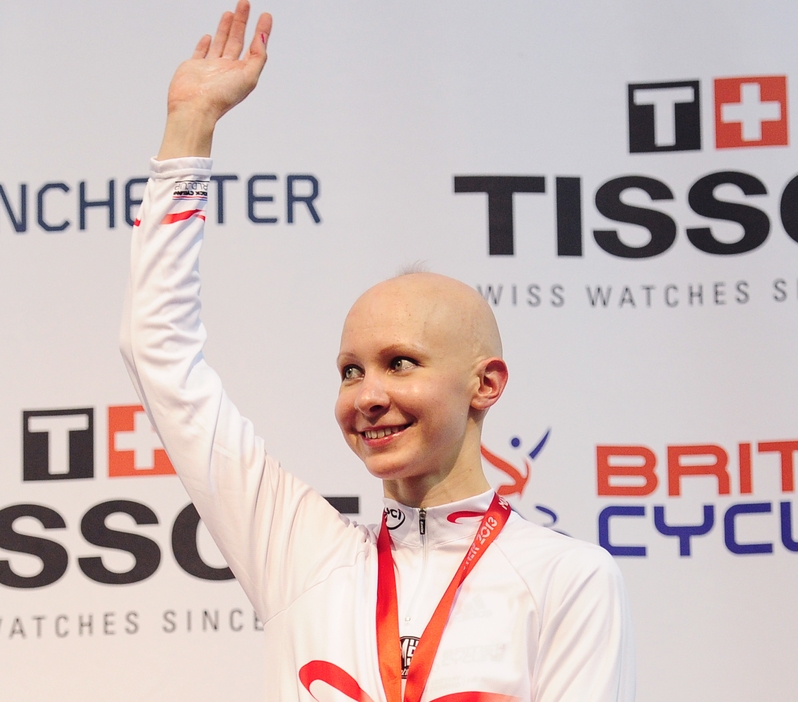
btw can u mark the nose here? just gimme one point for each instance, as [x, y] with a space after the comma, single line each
[372, 397]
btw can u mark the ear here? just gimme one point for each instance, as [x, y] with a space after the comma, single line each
[492, 374]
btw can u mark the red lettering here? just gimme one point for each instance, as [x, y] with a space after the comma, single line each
[677, 469]
[746, 486]
[605, 470]
[786, 450]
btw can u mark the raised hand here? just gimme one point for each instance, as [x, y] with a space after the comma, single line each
[212, 81]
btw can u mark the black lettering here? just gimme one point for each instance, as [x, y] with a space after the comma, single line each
[17, 629]
[253, 199]
[20, 223]
[84, 204]
[132, 619]
[184, 547]
[599, 295]
[533, 295]
[742, 292]
[109, 623]
[626, 297]
[38, 618]
[307, 200]
[130, 201]
[779, 290]
[170, 623]
[220, 181]
[345, 504]
[145, 551]
[53, 555]
[789, 208]
[63, 187]
[500, 191]
[59, 632]
[661, 227]
[491, 294]
[236, 624]
[755, 222]
[671, 301]
[85, 624]
[210, 620]
[568, 198]
[557, 295]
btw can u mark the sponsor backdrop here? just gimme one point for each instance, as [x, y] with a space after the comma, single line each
[618, 179]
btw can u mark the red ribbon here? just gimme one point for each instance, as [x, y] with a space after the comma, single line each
[388, 644]
[339, 679]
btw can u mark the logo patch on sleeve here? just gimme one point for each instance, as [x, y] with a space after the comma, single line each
[190, 190]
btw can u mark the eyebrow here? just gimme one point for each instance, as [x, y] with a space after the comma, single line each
[398, 349]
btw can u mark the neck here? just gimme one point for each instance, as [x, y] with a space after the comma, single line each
[431, 491]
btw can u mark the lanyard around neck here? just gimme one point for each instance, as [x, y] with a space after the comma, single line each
[388, 645]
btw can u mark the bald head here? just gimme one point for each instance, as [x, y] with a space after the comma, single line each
[420, 364]
[433, 306]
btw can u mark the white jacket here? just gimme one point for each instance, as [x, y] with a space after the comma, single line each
[542, 617]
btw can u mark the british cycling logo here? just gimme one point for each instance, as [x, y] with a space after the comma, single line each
[633, 477]
[519, 476]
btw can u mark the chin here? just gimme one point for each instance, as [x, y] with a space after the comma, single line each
[387, 469]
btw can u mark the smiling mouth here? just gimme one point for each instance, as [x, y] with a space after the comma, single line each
[383, 432]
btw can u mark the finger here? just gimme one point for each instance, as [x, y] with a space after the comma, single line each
[235, 42]
[220, 38]
[202, 47]
[257, 50]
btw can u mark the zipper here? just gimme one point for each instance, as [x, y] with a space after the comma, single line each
[422, 531]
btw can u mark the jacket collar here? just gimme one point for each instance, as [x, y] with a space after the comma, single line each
[441, 524]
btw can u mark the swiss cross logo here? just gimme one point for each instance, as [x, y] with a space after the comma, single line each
[134, 448]
[664, 116]
[750, 112]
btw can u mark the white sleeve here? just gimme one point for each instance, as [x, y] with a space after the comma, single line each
[279, 537]
[586, 646]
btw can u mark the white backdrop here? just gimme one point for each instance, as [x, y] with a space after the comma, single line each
[385, 105]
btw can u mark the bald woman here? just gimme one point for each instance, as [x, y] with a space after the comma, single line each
[451, 597]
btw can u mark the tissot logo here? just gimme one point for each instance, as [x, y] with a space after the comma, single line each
[664, 116]
[58, 444]
[751, 112]
[134, 448]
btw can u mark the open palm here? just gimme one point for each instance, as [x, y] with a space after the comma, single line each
[216, 77]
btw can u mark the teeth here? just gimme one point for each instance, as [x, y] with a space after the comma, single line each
[379, 433]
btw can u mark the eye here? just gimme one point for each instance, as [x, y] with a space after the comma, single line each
[351, 373]
[400, 363]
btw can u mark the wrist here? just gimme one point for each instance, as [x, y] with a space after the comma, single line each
[189, 132]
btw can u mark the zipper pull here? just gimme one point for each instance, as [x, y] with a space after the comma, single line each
[422, 521]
